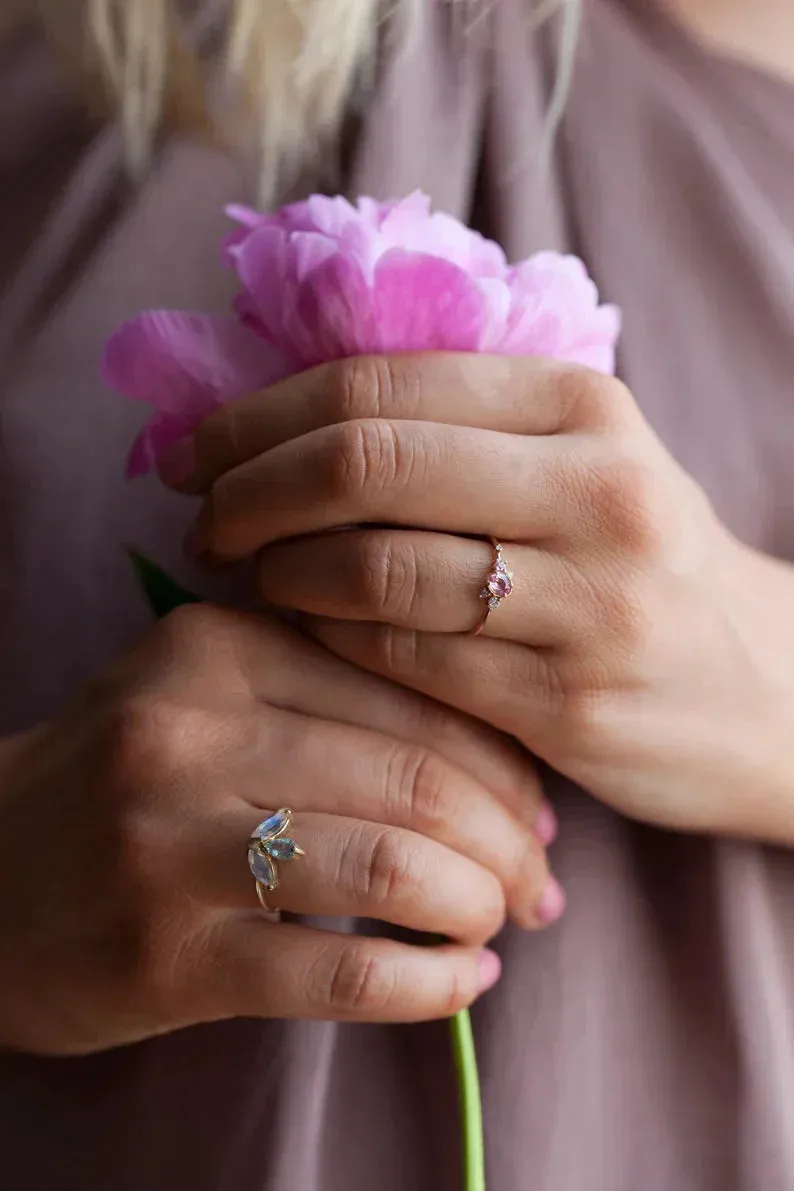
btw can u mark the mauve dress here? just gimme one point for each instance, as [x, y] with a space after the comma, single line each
[647, 1042]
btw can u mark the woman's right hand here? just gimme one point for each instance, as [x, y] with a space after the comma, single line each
[127, 908]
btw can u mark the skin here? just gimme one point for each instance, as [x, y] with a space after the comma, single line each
[648, 657]
[140, 915]
[645, 653]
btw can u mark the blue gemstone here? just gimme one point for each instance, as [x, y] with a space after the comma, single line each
[261, 867]
[280, 849]
[271, 826]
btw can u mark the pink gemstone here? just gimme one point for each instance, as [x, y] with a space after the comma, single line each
[499, 584]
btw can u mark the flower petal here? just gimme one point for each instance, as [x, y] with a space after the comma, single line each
[159, 433]
[497, 312]
[423, 303]
[555, 313]
[268, 264]
[336, 312]
[183, 363]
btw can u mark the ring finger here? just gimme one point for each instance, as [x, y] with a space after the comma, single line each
[432, 582]
[355, 868]
[397, 783]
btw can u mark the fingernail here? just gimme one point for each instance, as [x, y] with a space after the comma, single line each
[490, 969]
[175, 466]
[546, 825]
[551, 906]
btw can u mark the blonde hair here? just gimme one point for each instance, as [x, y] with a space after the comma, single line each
[291, 65]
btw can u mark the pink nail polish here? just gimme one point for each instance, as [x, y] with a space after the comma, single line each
[490, 969]
[546, 825]
[551, 906]
[175, 466]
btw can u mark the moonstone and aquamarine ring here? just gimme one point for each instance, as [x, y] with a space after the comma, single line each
[268, 847]
[498, 586]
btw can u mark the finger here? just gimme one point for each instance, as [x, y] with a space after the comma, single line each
[283, 668]
[516, 691]
[518, 395]
[259, 969]
[359, 869]
[428, 581]
[386, 782]
[418, 474]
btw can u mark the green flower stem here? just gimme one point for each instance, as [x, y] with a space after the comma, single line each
[164, 595]
[465, 1059]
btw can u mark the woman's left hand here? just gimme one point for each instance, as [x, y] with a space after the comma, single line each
[643, 651]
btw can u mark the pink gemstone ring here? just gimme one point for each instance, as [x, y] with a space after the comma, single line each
[498, 586]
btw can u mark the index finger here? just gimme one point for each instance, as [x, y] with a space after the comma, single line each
[519, 395]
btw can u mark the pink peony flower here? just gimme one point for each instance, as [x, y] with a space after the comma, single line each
[323, 279]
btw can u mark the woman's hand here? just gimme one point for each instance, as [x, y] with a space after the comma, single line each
[643, 652]
[128, 908]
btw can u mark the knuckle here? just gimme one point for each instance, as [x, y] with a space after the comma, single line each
[361, 982]
[625, 494]
[380, 867]
[145, 736]
[398, 651]
[359, 388]
[385, 578]
[373, 387]
[153, 737]
[592, 399]
[187, 630]
[152, 747]
[362, 457]
[418, 787]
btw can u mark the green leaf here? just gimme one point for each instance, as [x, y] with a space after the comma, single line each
[162, 592]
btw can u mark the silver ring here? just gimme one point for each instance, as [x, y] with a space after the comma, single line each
[269, 846]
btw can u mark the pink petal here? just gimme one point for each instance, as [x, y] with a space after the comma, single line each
[450, 238]
[374, 213]
[555, 313]
[606, 324]
[246, 216]
[336, 311]
[159, 433]
[266, 267]
[599, 358]
[248, 220]
[328, 215]
[181, 363]
[402, 223]
[311, 249]
[532, 329]
[497, 312]
[422, 303]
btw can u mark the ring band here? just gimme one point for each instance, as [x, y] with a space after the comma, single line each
[498, 586]
[268, 847]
